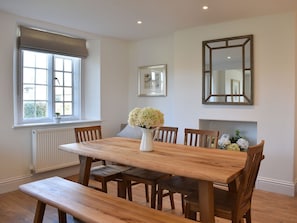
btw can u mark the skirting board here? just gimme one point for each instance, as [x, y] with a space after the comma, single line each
[276, 186]
[263, 183]
[13, 184]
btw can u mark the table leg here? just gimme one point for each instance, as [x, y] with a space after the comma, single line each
[206, 198]
[84, 171]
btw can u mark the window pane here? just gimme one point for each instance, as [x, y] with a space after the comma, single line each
[68, 108]
[59, 108]
[58, 63]
[59, 79]
[58, 93]
[67, 79]
[68, 65]
[68, 94]
[28, 59]
[41, 60]
[41, 76]
[29, 75]
[29, 109]
[28, 92]
[41, 92]
[41, 110]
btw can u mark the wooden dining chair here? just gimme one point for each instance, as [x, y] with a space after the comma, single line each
[185, 185]
[233, 205]
[136, 176]
[105, 172]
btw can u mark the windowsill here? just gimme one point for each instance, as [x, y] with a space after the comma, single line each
[62, 123]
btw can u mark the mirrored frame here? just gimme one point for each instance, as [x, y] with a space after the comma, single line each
[228, 71]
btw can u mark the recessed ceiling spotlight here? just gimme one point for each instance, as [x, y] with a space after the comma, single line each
[229, 58]
[205, 7]
[139, 22]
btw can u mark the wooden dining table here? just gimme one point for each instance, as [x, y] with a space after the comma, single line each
[209, 166]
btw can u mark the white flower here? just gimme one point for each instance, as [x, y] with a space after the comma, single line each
[243, 143]
[224, 141]
[146, 117]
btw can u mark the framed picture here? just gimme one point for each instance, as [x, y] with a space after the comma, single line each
[152, 80]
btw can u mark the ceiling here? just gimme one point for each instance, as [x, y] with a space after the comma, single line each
[118, 18]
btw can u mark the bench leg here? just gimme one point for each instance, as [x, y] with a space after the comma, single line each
[39, 212]
[62, 216]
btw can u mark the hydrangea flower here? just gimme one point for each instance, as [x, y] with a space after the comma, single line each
[224, 141]
[243, 143]
[233, 147]
[146, 117]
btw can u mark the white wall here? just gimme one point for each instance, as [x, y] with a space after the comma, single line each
[274, 87]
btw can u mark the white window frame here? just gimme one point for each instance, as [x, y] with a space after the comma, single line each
[76, 92]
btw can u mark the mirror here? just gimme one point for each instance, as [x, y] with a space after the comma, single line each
[228, 71]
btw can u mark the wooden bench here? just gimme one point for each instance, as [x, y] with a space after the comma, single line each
[90, 205]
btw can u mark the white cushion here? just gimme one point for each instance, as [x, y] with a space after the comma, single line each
[130, 132]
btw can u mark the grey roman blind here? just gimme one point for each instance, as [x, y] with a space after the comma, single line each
[33, 39]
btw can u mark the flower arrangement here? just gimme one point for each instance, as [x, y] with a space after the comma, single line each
[236, 143]
[146, 117]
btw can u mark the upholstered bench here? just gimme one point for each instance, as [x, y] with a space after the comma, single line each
[90, 205]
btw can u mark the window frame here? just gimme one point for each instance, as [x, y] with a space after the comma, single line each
[76, 90]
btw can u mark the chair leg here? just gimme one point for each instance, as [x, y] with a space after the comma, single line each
[104, 186]
[189, 213]
[171, 200]
[248, 216]
[121, 189]
[146, 193]
[153, 196]
[39, 212]
[62, 216]
[182, 197]
[129, 189]
[160, 198]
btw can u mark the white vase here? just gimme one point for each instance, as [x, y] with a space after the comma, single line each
[146, 144]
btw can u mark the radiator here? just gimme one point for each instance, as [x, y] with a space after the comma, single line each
[46, 155]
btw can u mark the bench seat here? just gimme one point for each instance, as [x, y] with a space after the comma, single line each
[91, 205]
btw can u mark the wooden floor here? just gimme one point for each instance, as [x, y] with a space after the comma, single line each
[16, 207]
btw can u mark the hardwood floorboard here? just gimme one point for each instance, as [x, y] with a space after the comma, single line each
[17, 207]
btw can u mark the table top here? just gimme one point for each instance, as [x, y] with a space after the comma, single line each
[214, 165]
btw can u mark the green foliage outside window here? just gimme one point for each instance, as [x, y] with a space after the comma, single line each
[38, 110]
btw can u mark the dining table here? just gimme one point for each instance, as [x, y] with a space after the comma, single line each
[208, 166]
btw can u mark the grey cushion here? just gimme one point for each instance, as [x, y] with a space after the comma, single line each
[130, 132]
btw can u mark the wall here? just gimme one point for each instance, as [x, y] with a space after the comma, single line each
[274, 87]
[101, 70]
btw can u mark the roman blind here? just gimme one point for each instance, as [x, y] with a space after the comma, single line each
[34, 39]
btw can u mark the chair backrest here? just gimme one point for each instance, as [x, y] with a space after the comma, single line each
[248, 179]
[166, 134]
[202, 138]
[88, 133]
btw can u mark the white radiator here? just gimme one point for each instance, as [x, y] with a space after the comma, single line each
[46, 155]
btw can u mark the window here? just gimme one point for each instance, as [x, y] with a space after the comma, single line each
[49, 84]
[49, 76]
